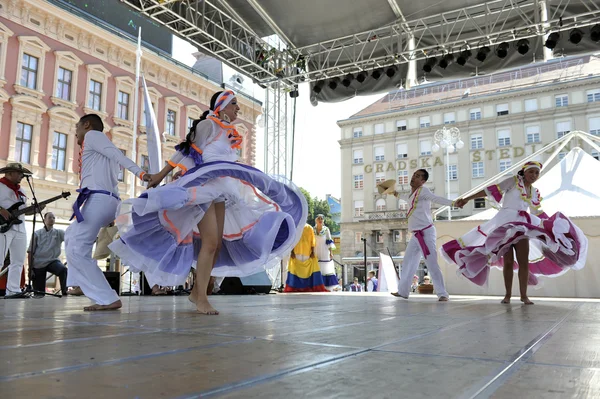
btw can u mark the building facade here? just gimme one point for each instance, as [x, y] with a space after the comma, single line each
[502, 119]
[56, 66]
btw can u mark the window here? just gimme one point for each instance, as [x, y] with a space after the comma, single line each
[379, 237]
[475, 114]
[425, 146]
[171, 117]
[357, 156]
[531, 105]
[505, 164]
[359, 208]
[379, 154]
[59, 151]
[402, 205]
[449, 117]
[503, 138]
[379, 129]
[452, 172]
[397, 235]
[533, 134]
[479, 203]
[593, 95]
[401, 125]
[561, 100]
[23, 143]
[190, 123]
[379, 177]
[424, 121]
[401, 151]
[145, 163]
[380, 205]
[63, 86]
[478, 170]
[502, 109]
[95, 95]
[476, 141]
[357, 237]
[403, 177]
[123, 105]
[29, 71]
[357, 132]
[562, 128]
[594, 125]
[358, 181]
[121, 175]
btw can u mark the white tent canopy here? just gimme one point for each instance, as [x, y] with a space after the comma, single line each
[569, 187]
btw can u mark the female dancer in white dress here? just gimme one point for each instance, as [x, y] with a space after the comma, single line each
[324, 249]
[220, 213]
[545, 246]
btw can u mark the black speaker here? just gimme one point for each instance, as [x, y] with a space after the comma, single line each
[258, 283]
[114, 280]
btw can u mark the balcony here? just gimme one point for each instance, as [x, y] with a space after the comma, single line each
[385, 215]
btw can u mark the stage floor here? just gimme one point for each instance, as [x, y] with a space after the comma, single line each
[301, 345]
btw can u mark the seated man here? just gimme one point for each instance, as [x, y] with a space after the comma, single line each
[45, 249]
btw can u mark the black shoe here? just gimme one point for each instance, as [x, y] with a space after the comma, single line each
[20, 295]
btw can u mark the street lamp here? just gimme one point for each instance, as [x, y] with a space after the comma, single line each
[448, 139]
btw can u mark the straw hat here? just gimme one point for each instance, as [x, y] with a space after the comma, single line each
[15, 167]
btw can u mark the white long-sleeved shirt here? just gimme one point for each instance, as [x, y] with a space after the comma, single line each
[8, 198]
[419, 207]
[100, 163]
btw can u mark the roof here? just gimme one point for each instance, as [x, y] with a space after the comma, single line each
[567, 187]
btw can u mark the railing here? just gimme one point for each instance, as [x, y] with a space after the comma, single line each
[380, 215]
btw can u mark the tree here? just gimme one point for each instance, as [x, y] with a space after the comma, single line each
[318, 206]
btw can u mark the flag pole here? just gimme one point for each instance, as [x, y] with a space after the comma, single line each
[136, 95]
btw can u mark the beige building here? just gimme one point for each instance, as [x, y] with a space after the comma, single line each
[502, 118]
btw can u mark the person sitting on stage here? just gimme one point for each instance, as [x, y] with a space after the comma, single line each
[98, 200]
[372, 282]
[15, 239]
[423, 240]
[45, 250]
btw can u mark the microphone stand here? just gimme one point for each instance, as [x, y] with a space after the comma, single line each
[29, 287]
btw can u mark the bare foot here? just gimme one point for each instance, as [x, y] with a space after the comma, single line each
[203, 307]
[505, 300]
[444, 299]
[113, 306]
[526, 301]
[193, 297]
[398, 295]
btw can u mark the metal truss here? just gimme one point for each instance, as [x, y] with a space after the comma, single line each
[277, 145]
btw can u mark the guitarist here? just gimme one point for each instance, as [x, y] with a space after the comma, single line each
[15, 239]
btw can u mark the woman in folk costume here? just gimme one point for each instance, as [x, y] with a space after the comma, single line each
[324, 247]
[544, 246]
[220, 213]
[304, 274]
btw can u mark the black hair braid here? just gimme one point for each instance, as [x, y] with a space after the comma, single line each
[185, 145]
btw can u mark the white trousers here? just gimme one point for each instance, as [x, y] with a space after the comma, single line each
[16, 242]
[412, 257]
[99, 210]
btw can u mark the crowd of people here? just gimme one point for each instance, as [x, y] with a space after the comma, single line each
[224, 218]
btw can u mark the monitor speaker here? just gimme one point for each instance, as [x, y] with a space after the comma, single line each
[258, 283]
[114, 280]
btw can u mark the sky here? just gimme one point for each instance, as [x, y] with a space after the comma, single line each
[317, 166]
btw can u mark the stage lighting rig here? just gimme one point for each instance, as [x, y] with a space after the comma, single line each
[523, 46]
[391, 71]
[318, 86]
[464, 57]
[377, 73]
[502, 50]
[361, 76]
[482, 53]
[333, 83]
[430, 63]
[595, 33]
[552, 40]
[575, 36]
[347, 80]
[446, 60]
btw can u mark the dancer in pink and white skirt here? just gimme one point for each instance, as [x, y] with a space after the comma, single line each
[544, 246]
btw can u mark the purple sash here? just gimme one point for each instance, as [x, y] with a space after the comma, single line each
[84, 194]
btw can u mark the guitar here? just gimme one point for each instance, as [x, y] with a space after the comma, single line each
[6, 224]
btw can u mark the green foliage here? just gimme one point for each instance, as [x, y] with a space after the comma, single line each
[317, 206]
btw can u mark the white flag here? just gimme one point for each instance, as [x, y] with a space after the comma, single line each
[154, 152]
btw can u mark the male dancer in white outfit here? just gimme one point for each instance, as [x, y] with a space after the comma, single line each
[420, 224]
[95, 207]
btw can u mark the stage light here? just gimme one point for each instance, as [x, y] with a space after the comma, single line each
[575, 36]
[318, 86]
[595, 33]
[347, 80]
[429, 64]
[482, 53]
[502, 50]
[552, 40]
[523, 46]
[377, 73]
[391, 71]
[294, 93]
[446, 60]
[464, 57]
[332, 84]
[361, 77]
